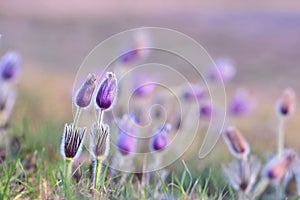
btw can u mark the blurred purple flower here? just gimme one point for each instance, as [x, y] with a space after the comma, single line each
[129, 56]
[287, 103]
[194, 93]
[240, 104]
[160, 140]
[142, 85]
[126, 134]
[9, 66]
[206, 110]
[224, 70]
[137, 49]
[107, 92]
[279, 166]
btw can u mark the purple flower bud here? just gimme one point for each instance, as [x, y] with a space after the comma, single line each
[206, 110]
[72, 141]
[160, 140]
[277, 168]
[136, 48]
[126, 135]
[196, 93]
[141, 85]
[85, 93]
[224, 70]
[240, 104]
[129, 56]
[9, 65]
[107, 91]
[237, 144]
[287, 103]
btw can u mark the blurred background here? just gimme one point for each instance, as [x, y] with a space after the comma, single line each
[53, 38]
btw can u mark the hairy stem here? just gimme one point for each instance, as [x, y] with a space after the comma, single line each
[100, 117]
[260, 188]
[68, 168]
[76, 117]
[97, 172]
[280, 136]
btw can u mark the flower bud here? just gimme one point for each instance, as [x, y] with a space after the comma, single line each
[160, 140]
[9, 66]
[237, 144]
[126, 135]
[224, 70]
[287, 102]
[107, 92]
[85, 93]
[206, 110]
[72, 141]
[99, 141]
[279, 166]
[194, 93]
[240, 104]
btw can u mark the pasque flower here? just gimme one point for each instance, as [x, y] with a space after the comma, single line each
[126, 135]
[287, 103]
[237, 144]
[242, 174]
[9, 66]
[206, 110]
[240, 104]
[71, 146]
[84, 96]
[224, 70]
[99, 148]
[194, 93]
[160, 140]
[107, 92]
[85, 93]
[279, 166]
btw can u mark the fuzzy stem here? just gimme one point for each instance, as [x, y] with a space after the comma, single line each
[280, 191]
[97, 171]
[100, 117]
[242, 195]
[260, 188]
[280, 136]
[68, 168]
[76, 117]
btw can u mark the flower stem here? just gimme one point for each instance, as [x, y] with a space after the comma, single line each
[76, 117]
[100, 117]
[97, 172]
[260, 188]
[280, 136]
[68, 168]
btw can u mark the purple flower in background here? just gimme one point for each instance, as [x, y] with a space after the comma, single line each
[142, 86]
[85, 93]
[129, 56]
[224, 70]
[137, 48]
[126, 135]
[206, 110]
[240, 104]
[107, 91]
[160, 139]
[194, 93]
[287, 103]
[9, 66]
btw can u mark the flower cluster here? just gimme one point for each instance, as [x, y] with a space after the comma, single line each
[278, 171]
[73, 137]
